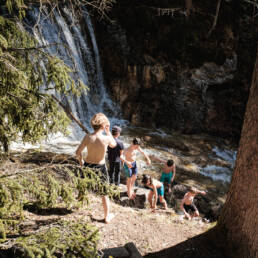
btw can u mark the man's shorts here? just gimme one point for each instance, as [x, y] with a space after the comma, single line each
[190, 207]
[166, 177]
[130, 171]
[100, 167]
[160, 190]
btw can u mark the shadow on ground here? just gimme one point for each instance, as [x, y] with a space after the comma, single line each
[197, 247]
[46, 211]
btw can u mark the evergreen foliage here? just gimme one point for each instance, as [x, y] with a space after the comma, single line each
[28, 112]
[65, 239]
[64, 186]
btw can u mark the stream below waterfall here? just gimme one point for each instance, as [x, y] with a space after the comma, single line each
[207, 155]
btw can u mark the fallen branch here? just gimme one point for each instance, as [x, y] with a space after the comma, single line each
[70, 114]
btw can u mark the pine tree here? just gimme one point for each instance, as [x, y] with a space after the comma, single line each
[27, 112]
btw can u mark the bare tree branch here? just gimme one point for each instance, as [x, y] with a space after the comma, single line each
[215, 18]
[70, 114]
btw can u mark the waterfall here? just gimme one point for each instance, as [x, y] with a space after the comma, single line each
[79, 50]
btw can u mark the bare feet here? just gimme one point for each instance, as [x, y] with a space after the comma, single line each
[132, 197]
[109, 218]
[188, 217]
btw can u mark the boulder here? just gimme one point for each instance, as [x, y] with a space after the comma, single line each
[127, 251]
[139, 200]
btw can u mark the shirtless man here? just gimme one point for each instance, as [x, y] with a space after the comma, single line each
[157, 189]
[96, 144]
[130, 166]
[187, 204]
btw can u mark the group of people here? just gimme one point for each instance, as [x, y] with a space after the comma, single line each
[98, 143]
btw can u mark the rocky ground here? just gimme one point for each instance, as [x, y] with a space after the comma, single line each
[133, 222]
[150, 232]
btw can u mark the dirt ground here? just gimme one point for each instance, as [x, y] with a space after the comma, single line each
[150, 232]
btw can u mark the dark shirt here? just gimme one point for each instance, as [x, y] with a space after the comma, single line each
[114, 153]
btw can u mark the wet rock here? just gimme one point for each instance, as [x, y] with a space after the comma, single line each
[179, 191]
[195, 93]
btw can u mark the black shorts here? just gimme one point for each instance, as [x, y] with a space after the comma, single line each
[190, 207]
[100, 167]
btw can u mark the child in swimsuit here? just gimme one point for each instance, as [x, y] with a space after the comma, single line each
[130, 167]
[156, 189]
[169, 171]
[187, 204]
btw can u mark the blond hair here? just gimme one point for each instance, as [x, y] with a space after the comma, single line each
[98, 121]
[193, 190]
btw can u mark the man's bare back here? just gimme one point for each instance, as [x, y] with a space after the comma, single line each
[96, 144]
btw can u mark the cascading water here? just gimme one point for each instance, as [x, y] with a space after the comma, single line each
[79, 50]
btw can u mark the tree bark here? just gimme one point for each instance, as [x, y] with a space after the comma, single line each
[188, 7]
[237, 225]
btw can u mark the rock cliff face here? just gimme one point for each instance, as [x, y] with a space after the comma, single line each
[165, 71]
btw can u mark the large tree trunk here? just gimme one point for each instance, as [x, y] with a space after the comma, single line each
[188, 7]
[237, 225]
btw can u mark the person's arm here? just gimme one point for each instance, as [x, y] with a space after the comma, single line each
[80, 149]
[182, 207]
[148, 161]
[111, 140]
[201, 192]
[158, 159]
[155, 198]
[174, 172]
[121, 150]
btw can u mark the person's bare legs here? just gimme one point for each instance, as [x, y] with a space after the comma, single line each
[133, 178]
[163, 201]
[106, 205]
[150, 195]
[128, 184]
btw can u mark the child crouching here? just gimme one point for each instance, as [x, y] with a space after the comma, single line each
[187, 204]
[156, 189]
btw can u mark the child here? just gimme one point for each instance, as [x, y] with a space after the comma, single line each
[96, 144]
[169, 171]
[187, 204]
[157, 188]
[130, 166]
